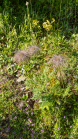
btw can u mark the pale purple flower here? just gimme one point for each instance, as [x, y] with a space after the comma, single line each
[29, 120]
[21, 138]
[31, 130]
[64, 117]
[15, 117]
[35, 132]
[33, 124]
[53, 122]
[11, 118]
[58, 128]
[28, 105]
[31, 113]
[67, 121]
[31, 134]
[26, 108]
[21, 104]
[23, 110]
[29, 124]
[8, 128]
[27, 112]
[42, 130]
[14, 132]
[70, 126]
[23, 128]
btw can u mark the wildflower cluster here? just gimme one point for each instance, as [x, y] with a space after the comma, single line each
[35, 25]
[35, 22]
[47, 25]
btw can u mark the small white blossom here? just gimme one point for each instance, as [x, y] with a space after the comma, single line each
[27, 3]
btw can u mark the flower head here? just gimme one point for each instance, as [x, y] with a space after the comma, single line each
[53, 122]
[33, 124]
[42, 130]
[58, 61]
[14, 132]
[58, 128]
[15, 117]
[32, 50]
[31, 113]
[35, 22]
[64, 117]
[27, 112]
[27, 3]
[29, 120]
[29, 124]
[21, 57]
[8, 128]
[47, 25]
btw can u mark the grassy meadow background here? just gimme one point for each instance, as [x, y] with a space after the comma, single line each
[39, 98]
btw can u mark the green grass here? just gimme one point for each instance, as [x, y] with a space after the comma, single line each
[39, 98]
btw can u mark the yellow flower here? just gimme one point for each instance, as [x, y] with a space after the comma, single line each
[48, 22]
[35, 22]
[53, 20]
[38, 27]
[47, 25]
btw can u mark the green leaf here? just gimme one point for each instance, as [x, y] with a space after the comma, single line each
[45, 105]
[66, 93]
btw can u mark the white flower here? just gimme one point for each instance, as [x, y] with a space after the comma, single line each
[27, 3]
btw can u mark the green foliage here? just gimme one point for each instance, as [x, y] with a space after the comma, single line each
[74, 130]
[52, 92]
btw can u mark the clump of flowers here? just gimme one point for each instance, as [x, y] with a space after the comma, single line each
[47, 25]
[20, 105]
[35, 22]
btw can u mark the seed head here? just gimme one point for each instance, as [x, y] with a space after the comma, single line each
[32, 50]
[21, 57]
[58, 61]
